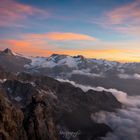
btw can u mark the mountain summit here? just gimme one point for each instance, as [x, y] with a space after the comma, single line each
[7, 51]
[12, 62]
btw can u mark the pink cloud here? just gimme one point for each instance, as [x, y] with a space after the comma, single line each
[32, 48]
[27, 47]
[62, 36]
[37, 44]
[124, 13]
[13, 13]
[124, 19]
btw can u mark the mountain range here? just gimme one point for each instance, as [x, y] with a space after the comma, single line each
[65, 97]
[34, 106]
[93, 72]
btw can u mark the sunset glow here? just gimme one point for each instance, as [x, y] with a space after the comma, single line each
[95, 29]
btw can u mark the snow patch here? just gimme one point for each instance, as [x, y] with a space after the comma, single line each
[3, 80]
[18, 99]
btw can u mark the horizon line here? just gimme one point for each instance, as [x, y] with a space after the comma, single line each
[111, 60]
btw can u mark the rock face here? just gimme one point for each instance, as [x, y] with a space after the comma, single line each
[2, 73]
[7, 51]
[92, 72]
[39, 121]
[11, 119]
[41, 108]
[31, 122]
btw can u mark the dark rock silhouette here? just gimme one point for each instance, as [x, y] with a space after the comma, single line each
[45, 108]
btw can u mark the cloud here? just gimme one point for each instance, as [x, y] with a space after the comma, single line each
[124, 19]
[125, 13]
[113, 51]
[27, 47]
[61, 36]
[14, 13]
[128, 76]
[35, 44]
[69, 36]
[125, 122]
[86, 72]
[26, 43]
[120, 95]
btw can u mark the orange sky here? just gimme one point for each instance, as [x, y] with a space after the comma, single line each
[95, 29]
[40, 47]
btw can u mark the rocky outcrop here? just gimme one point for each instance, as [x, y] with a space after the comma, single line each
[11, 119]
[41, 108]
[39, 121]
[32, 122]
[73, 96]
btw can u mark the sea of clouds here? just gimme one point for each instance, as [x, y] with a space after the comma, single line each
[128, 76]
[86, 72]
[125, 122]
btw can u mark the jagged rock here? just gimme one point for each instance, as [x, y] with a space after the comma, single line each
[11, 119]
[32, 122]
[2, 73]
[74, 107]
[18, 90]
[39, 121]
[47, 109]
[7, 51]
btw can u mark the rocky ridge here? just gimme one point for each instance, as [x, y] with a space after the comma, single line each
[41, 108]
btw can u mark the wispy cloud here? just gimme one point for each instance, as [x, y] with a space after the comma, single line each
[44, 45]
[27, 47]
[124, 19]
[86, 72]
[129, 76]
[125, 13]
[63, 36]
[14, 13]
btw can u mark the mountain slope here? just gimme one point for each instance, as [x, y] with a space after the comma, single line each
[45, 108]
[122, 76]
[12, 62]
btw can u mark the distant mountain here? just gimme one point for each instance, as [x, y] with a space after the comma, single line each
[12, 62]
[80, 63]
[70, 62]
[60, 97]
[93, 72]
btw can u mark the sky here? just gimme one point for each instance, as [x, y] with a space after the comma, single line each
[102, 29]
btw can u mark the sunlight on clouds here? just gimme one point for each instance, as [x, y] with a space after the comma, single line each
[41, 45]
[125, 19]
[61, 36]
[27, 47]
[111, 54]
[15, 14]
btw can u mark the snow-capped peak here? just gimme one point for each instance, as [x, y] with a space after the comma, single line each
[7, 51]
[56, 60]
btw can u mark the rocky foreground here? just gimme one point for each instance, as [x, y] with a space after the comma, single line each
[41, 108]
